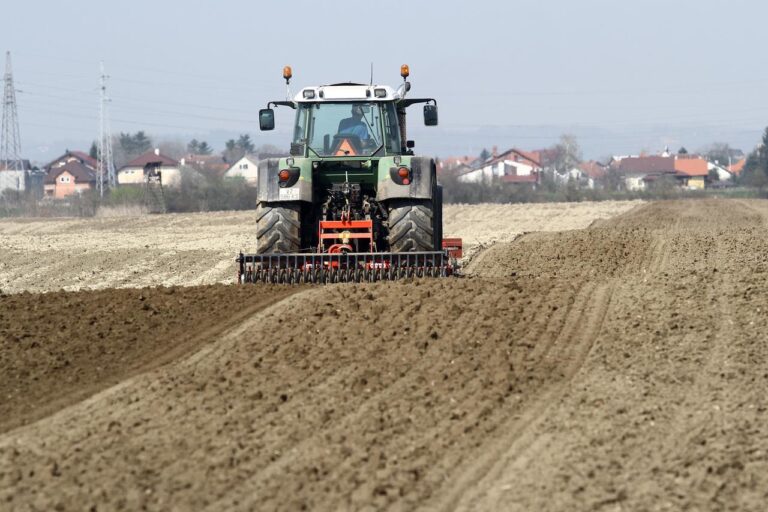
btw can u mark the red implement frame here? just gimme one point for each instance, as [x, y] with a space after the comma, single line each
[453, 246]
[343, 231]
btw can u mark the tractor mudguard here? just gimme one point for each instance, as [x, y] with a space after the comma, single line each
[269, 189]
[422, 176]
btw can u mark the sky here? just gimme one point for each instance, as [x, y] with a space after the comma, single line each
[621, 76]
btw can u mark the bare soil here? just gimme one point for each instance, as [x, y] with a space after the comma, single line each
[619, 367]
[193, 249]
[59, 347]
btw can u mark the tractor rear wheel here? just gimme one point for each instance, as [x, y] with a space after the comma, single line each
[411, 226]
[278, 228]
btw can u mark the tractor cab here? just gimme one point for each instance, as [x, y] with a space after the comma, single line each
[349, 119]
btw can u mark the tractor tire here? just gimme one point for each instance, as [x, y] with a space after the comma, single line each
[437, 216]
[278, 228]
[411, 226]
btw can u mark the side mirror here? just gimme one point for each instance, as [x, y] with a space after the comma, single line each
[410, 144]
[266, 119]
[430, 115]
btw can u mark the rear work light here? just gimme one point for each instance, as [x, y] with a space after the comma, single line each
[380, 93]
[309, 94]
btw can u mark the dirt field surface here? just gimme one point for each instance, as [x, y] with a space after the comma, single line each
[619, 367]
[194, 249]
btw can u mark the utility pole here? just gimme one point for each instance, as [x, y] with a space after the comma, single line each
[10, 140]
[105, 173]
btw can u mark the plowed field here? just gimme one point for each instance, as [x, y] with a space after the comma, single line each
[199, 248]
[619, 367]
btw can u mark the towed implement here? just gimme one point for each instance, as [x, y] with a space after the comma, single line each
[352, 202]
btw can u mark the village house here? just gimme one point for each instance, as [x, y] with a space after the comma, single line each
[688, 171]
[723, 174]
[736, 168]
[71, 177]
[18, 176]
[246, 168]
[213, 166]
[133, 173]
[692, 171]
[589, 174]
[511, 166]
[638, 171]
[456, 165]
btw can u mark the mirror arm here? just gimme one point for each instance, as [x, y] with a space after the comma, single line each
[282, 104]
[412, 101]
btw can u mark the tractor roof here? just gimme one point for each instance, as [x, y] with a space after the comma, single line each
[349, 92]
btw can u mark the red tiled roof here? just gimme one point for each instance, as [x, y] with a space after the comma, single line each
[647, 164]
[695, 166]
[79, 155]
[516, 154]
[593, 169]
[210, 164]
[533, 156]
[151, 157]
[547, 156]
[80, 172]
[85, 157]
[737, 167]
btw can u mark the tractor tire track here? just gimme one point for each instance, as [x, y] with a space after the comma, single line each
[477, 486]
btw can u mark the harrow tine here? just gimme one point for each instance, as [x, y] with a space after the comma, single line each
[343, 267]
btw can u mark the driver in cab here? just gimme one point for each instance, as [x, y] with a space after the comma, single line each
[355, 125]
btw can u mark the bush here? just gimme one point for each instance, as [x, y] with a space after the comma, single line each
[197, 193]
[455, 191]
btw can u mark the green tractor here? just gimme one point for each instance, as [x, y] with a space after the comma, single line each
[351, 202]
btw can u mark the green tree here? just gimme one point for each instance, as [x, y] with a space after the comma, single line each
[193, 147]
[231, 152]
[755, 173]
[682, 151]
[245, 143]
[134, 145]
[234, 150]
[204, 149]
[484, 155]
[567, 154]
[94, 151]
[718, 152]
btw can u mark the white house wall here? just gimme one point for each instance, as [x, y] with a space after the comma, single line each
[171, 176]
[634, 183]
[473, 176]
[722, 174]
[244, 168]
[13, 180]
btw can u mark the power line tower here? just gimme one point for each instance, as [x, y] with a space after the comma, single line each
[10, 140]
[105, 173]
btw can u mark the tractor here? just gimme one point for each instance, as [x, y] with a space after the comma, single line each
[351, 202]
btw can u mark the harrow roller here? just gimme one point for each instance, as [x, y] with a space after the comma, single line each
[325, 268]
